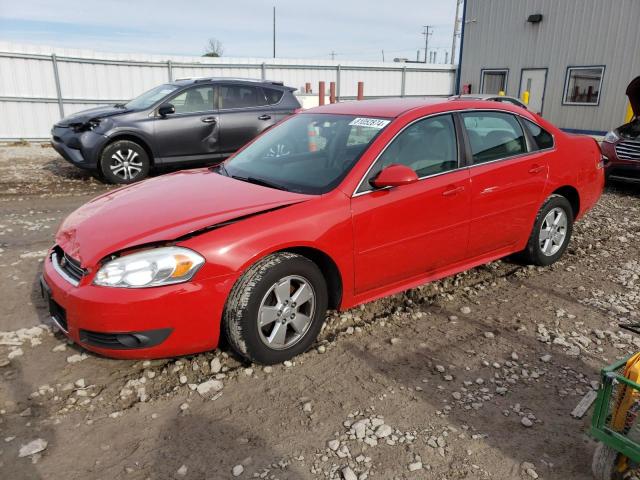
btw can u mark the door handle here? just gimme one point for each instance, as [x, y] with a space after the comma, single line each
[264, 117]
[535, 169]
[451, 190]
[209, 119]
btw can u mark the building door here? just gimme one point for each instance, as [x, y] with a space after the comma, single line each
[534, 80]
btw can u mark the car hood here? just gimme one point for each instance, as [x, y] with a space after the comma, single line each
[633, 92]
[163, 209]
[91, 113]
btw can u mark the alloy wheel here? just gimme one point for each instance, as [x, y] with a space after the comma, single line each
[125, 164]
[286, 312]
[553, 231]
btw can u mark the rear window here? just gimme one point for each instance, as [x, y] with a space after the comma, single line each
[240, 96]
[542, 138]
[273, 96]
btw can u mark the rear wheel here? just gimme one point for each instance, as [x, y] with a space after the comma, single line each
[123, 162]
[276, 309]
[551, 232]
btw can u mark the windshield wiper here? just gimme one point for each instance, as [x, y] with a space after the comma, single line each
[259, 181]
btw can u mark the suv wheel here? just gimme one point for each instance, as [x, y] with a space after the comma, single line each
[276, 309]
[124, 162]
[551, 232]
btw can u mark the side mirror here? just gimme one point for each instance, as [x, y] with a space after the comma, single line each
[166, 109]
[394, 176]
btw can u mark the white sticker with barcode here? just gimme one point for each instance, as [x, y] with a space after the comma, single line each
[369, 122]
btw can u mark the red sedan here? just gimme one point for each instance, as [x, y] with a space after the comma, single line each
[334, 207]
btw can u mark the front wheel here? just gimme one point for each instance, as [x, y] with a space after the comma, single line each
[551, 232]
[276, 309]
[124, 162]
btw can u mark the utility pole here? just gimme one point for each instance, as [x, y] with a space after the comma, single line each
[333, 55]
[456, 26]
[382, 56]
[274, 32]
[427, 31]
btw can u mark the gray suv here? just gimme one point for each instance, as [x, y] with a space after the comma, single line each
[186, 122]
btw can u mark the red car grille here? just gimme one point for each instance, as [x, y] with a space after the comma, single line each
[68, 266]
[628, 150]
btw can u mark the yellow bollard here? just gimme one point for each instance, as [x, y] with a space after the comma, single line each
[629, 114]
[525, 97]
[501, 93]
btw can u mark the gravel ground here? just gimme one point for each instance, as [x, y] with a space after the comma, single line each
[473, 377]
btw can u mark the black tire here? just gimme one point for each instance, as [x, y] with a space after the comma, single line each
[240, 320]
[534, 253]
[112, 157]
[605, 463]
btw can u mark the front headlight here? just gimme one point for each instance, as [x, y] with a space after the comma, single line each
[611, 137]
[150, 268]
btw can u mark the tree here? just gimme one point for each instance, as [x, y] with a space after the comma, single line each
[213, 48]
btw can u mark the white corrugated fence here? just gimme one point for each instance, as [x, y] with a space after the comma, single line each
[40, 84]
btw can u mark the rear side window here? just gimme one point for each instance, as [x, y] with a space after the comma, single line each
[542, 138]
[273, 96]
[493, 135]
[240, 96]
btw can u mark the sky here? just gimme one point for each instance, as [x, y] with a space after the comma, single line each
[353, 29]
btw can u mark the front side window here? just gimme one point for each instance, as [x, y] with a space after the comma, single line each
[494, 81]
[240, 96]
[541, 137]
[428, 147]
[493, 135]
[583, 85]
[149, 98]
[192, 100]
[309, 153]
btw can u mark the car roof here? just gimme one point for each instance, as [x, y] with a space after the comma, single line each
[394, 107]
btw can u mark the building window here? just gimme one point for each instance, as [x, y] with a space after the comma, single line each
[493, 81]
[583, 85]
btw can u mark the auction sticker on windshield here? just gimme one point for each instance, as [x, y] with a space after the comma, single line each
[369, 122]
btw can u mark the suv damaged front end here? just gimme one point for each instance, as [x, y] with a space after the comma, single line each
[622, 145]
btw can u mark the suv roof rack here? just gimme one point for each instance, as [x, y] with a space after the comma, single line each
[241, 79]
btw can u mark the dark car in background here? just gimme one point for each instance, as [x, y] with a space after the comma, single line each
[622, 145]
[185, 122]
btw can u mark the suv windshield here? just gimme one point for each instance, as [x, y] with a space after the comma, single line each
[150, 97]
[310, 153]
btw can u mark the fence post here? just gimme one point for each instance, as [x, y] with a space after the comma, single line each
[332, 92]
[403, 86]
[56, 77]
[170, 70]
[263, 70]
[360, 90]
[321, 93]
[338, 68]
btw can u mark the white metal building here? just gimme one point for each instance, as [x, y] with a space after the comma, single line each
[575, 57]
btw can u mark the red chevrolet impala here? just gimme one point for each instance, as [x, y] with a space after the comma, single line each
[334, 207]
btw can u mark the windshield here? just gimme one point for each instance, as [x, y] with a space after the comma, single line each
[309, 153]
[150, 97]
